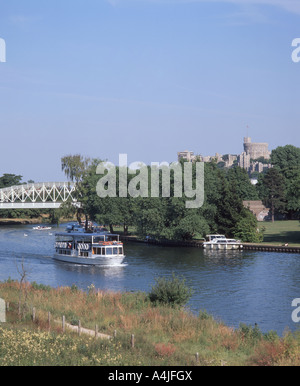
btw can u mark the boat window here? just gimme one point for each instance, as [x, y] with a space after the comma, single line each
[103, 251]
[98, 239]
[120, 251]
[64, 252]
[109, 251]
[115, 251]
[64, 239]
[112, 238]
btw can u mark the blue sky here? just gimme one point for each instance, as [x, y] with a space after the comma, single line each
[144, 77]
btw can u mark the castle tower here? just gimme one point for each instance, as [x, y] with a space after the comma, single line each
[256, 150]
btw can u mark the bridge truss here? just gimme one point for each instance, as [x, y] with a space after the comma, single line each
[48, 195]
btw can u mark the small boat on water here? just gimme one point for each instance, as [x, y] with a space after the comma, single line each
[41, 228]
[221, 242]
[94, 246]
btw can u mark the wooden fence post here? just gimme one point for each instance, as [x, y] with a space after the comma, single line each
[49, 320]
[33, 314]
[79, 328]
[96, 331]
[132, 341]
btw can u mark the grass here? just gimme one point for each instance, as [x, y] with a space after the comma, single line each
[163, 335]
[281, 232]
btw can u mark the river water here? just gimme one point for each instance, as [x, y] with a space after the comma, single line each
[234, 286]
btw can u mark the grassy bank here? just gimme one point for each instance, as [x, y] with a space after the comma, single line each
[281, 232]
[163, 335]
[277, 233]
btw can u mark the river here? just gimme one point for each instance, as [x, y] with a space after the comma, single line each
[234, 286]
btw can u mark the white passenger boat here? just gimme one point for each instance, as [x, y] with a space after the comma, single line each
[41, 228]
[221, 242]
[93, 247]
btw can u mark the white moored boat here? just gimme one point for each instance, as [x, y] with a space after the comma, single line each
[221, 242]
[93, 247]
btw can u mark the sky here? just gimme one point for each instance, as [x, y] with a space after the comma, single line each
[147, 78]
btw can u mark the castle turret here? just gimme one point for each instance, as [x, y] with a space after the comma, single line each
[256, 150]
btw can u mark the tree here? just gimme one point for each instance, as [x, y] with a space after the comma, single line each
[190, 225]
[246, 228]
[229, 209]
[244, 189]
[107, 210]
[76, 167]
[293, 194]
[8, 180]
[273, 190]
[285, 158]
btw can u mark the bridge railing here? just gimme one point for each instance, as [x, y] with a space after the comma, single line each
[38, 192]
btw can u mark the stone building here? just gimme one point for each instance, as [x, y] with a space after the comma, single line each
[188, 155]
[258, 209]
[246, 160]
[256, 150]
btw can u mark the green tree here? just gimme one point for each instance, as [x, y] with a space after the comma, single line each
[273, 191]
[107, 210]
[76, 168]
[246, 228]
[8, 180]
[292, 192]
[229, 209]
[190, 225]
[244, 189]
[285, 158]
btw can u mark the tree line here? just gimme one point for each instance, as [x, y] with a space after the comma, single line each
[222, 212]
[167, 217]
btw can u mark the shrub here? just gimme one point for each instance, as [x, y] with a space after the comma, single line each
[165, 349]
[173, 291]
[246, 229]
[42, 287]
[252, 334]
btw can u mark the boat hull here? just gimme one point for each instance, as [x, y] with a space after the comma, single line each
[223, 246]
[98, 260]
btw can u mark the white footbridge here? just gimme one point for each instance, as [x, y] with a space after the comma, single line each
[43, 195]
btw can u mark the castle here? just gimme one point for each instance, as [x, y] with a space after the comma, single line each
[254, 158]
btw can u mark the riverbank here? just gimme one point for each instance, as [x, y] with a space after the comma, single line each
[44, 219]
[142, 334]
[280, 236]
[199, 244]
[20, 221]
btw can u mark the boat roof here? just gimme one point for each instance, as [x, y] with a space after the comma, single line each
[85, 234]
